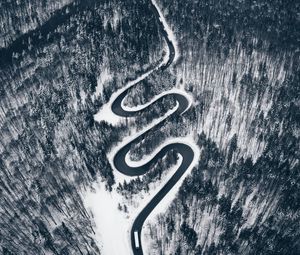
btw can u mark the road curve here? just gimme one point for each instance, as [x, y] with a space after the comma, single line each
[187, 153]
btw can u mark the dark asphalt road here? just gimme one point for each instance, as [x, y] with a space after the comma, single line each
[184, 150]
[120, 164]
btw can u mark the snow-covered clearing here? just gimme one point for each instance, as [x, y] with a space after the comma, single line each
[103, 78]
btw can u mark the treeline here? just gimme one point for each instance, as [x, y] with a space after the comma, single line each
[220, 21]
[18, 18]
[242, 198]
[242, 207]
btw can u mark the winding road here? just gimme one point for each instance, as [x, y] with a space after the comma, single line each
[186, 151]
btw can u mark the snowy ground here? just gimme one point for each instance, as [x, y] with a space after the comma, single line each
[112, 228]
[112, 225]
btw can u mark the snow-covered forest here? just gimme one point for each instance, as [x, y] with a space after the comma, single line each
[60, 62]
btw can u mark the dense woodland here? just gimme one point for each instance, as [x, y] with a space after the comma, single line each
[243, 197]
[239, 59]
[51, 147]
[20, 17]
